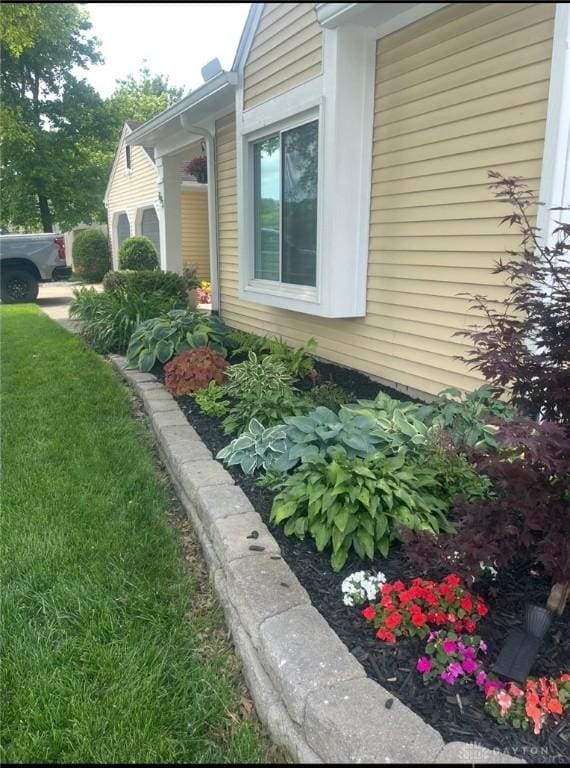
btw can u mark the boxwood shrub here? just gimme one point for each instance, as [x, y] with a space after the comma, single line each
[90, 253]
[138, 253]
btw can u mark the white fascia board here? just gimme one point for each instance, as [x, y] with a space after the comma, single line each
[146, 133]
[247, 37]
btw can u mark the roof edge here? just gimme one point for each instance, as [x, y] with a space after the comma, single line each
[210, 87]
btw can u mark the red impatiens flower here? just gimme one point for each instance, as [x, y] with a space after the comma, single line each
[399, 586]
[387, 604]
[482, 609]
[387, 589]
[466, 603]
[470, 626]
[419, 619]
[393, 621]
[369, 613]
[453, 580]
[384, 634]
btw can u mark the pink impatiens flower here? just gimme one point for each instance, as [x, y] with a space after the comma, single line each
[469, 666]
[424, 664]
[449, 646]
[504, 701]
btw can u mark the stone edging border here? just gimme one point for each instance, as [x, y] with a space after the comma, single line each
[312, 695]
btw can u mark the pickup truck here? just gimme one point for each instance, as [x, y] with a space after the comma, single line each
[28, 260]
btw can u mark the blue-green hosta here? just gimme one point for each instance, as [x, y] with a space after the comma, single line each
[256, 448]
[396, 423]
[161, 338]
[358, 504]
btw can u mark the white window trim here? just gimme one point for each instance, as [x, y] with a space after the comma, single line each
[253, 285]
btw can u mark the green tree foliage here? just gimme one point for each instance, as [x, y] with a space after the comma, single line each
[58, 135]
[55, 128]
[142, 96]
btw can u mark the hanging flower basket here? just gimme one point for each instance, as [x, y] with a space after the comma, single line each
[198, 167]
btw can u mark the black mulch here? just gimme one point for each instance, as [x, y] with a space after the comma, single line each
[457, 711]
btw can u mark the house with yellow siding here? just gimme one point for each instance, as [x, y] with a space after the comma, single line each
[349, 146]
[133, 202]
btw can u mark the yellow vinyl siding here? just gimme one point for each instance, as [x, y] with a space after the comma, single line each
[130, 191]
[195, 233]
[286, 51]
[457, 93]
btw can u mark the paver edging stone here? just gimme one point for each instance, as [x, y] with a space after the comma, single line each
[314, 714]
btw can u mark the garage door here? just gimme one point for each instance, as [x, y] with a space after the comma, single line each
[149, 227]
[123, 228]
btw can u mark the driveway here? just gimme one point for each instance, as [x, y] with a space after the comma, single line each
[54, 299]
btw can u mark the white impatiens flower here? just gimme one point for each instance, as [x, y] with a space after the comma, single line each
[489, 570]
[361, 586]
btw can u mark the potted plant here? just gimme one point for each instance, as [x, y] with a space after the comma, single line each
[192, 284]
[198, 167]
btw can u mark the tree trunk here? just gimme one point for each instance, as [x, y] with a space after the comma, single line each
[45, 214]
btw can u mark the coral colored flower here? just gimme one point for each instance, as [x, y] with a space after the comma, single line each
[555, 707]
[449, 646]
[565, 678]
[369, 613]
[424, 664]
[384, 634]
[504, 701]
[393, 621]
[515, 691]
[491, 687]
[418, 619]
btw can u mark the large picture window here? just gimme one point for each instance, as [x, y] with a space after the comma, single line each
[285, 171]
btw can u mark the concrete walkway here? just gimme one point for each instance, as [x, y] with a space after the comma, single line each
[54, 299]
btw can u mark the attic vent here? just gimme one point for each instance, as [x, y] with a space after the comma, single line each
[211, 69]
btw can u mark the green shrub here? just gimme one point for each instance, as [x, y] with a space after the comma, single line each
[147, 281]
[91, 258]
[138, 253]
[109, 320]
[255, 448]
[211, 400]
[358, 504]
[162, 337]
[263, 390]
[330, 395]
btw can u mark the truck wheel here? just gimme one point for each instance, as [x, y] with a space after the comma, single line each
[18, 286]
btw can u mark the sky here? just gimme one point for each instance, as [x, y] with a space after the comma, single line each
[176, 39]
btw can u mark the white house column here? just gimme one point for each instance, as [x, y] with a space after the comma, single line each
[555, 181]
[168, 208]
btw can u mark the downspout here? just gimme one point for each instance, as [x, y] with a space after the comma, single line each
[212, 208]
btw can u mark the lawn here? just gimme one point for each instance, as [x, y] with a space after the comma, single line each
[114, 650]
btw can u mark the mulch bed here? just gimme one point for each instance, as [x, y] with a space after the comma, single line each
[455, 711]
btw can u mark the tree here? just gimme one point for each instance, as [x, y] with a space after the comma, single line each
[55, 129]
[140, 97]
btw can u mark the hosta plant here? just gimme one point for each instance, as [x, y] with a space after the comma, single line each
[321, 430]
[357, 504]
[161, 338]
[298, 361]
[193, 370]
[261, 390]
[397, 424]
[465, 416]
[256, 448]
[211, 400]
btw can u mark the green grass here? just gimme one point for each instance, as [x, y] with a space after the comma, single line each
[113, 649]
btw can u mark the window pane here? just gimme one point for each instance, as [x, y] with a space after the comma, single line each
[267, 197]
[300, 166]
